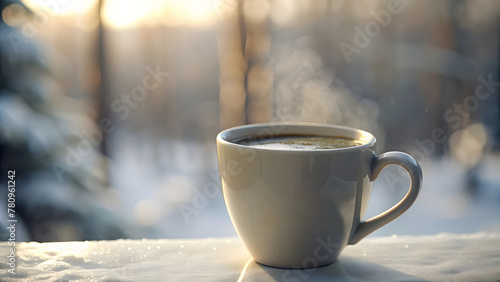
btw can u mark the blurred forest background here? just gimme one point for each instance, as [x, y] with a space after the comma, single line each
[109, 109]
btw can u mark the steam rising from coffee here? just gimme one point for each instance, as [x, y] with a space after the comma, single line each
[307, 91]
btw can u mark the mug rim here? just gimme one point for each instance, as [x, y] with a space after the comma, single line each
[221, 138]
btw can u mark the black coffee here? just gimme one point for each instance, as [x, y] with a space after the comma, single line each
[299, 142]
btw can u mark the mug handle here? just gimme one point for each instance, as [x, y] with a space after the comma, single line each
[413, 168]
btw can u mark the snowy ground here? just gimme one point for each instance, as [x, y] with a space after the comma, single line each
[443, 257]
[159, 182]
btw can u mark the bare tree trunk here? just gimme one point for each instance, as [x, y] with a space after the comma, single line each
[259, 76]
[233, 66]
[103, 92]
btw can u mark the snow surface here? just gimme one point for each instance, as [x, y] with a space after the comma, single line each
[444, 257]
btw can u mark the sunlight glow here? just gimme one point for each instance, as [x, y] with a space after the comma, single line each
[126, 13]
[60, 7]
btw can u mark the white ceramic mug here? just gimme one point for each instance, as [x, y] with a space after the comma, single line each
[300, 208]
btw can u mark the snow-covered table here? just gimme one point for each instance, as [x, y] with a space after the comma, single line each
[442, 257]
